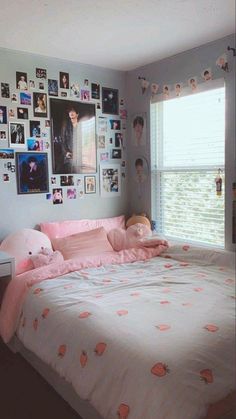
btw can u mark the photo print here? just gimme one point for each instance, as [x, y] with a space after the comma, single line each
[73, 137]
[41, 73]
[110, 180]
[139, 129]
[40, 104]
[154, 89]
[21, 81]
[119, 139]
[5, 90]
[17, 134]
[6, 177]
[11, 113]
[14, 98]
[3, 114]
[52, 87]
[140, 175]
[101, 141]
[166, 91]
[34, 145]
[102, 124]
[25, 98]
[32, 172]
[85, 94]
[178, 89]
[95, 91]
[53, 180]
[115, 124]
[41, 85]
[222, 62]
[3, 135]
[86, 82]
[207, 74]
[63, 94]
[22, 113]
[75, 90]
[57, 196]
[6, 153]
[110, 101]
[34, 128]
[192, 82]
[64, 80]
[116, 153]
[104, 156]
[71, 193]
[32, 84]
[89, 184]
[67, 180]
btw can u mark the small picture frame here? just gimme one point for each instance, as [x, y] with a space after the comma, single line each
[90, 184]
[17, 134]
[110, 101]
[32, 172]
[40, 104]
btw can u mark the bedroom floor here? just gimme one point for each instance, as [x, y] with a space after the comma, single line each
[25, 394]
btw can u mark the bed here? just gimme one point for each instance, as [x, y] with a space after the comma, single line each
[140, 334]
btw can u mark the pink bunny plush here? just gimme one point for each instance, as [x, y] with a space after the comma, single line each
[46, 256]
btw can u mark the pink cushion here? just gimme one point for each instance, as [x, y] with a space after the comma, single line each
[67, 228]
[92, 242]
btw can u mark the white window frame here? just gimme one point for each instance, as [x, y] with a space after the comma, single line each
[157, 169]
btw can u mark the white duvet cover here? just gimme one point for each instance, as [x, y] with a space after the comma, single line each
[145, 340]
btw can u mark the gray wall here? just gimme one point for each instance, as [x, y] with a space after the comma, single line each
[170, 71]
[18, 211]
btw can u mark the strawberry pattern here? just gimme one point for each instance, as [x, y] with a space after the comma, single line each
[127, 336]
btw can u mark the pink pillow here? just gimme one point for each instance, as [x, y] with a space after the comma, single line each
[67, 228]
[91, 242]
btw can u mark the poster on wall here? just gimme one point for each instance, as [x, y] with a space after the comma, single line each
[110, 180]
[140, 174]
[139, 129]
[110, 101]
[32, 172]
[73, 137]
[17, 134]
[40, 104]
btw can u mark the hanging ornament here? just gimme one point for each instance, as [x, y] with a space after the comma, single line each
[144, 84]
[218, 181]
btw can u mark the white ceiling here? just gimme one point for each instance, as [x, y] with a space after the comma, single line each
[117, 34]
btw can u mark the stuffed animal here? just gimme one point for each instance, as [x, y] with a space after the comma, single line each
[141, 219]
[46, 256]
[22, 245]
[124, 239]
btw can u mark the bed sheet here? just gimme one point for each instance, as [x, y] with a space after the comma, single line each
[149, 339]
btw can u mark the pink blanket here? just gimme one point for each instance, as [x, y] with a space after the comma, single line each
[17, 289]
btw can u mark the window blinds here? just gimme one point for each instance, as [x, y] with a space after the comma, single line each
[188, 141]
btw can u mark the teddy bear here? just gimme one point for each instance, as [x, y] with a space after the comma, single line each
[46, 256]
[125, 239]
[141, 219]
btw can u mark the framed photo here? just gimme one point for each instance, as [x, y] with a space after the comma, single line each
[41, 73]
[3, 114]
[22, 113]
[21, 81]
[5, 90]
[116, 153]
[90, 184]
[73, 137]
[25, 98]
[95, 91]
[35, 128]
[110, 180]
[52, 87]
[32, 172]
[64, 80]
[110, 101]
[40, 104]
[17, 134]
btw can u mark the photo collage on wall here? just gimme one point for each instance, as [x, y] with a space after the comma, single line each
[57, 133]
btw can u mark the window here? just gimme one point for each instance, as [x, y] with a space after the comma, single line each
[187, 150]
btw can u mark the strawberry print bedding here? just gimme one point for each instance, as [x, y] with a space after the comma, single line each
[149, 339]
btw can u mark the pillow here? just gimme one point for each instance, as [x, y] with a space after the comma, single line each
[87, 243]
[22, 244]
[67, 228]
[46, 257]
